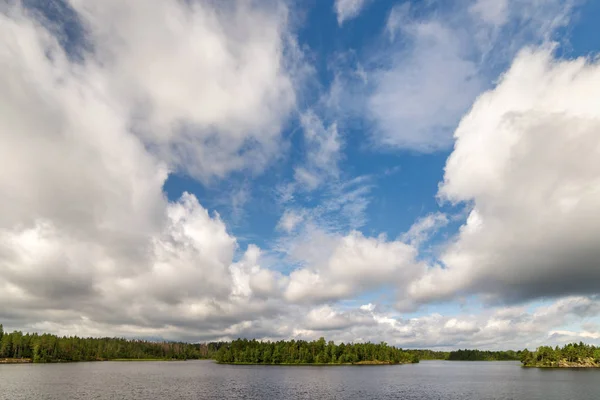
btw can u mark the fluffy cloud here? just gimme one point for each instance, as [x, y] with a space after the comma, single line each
[526, 158]
[87, 238]
[207, 89]
[507, 328]
[67, 157]
[187, 278]
[438, 61]
[92, 125]
[339, 267]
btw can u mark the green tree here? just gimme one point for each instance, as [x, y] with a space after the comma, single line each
[6, 346]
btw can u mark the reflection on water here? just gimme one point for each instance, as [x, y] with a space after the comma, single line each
[207, 380]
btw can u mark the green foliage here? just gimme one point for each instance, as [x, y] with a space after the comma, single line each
[483, 355]
[315, 352]
[50, 348]
[423, 354]
[546, 356]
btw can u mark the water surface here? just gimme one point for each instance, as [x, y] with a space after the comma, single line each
[207, 380]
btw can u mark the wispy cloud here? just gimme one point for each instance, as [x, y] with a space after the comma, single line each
[440, 59]
[349, 9]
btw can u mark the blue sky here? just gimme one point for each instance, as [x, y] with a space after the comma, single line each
[422, 173]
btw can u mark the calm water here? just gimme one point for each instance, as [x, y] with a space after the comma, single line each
[206, 380]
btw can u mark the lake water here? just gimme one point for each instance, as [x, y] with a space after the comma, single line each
[207, 380]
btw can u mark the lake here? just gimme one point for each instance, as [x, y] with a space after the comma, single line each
[207, 380]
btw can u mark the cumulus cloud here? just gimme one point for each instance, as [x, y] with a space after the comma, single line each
[502, 328]
[91, 126]
[339, 267]
[87, 236]
[438, 61]
[526, 158]
[348, 9]
[206, 88]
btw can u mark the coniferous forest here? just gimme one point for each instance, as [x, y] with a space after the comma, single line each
[47, 348]
[467, 355]
[316, 352]
[425, 354]
[570, 355]
[51, 348]
[483, 355]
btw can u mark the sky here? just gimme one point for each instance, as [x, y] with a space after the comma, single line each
[423, 173]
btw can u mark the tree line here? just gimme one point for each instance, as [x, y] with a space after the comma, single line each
[425, 354]
[466, 355]
[573, 353]
[43, 348]
[46, 348]
[313, 352]
[483, 355]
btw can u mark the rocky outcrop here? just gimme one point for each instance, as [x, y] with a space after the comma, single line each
[580, 363]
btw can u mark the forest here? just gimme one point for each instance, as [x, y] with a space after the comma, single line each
[425, 354]
[483, 355]
[570, 355]
[46, 348]
[244, 351]
[466, 355]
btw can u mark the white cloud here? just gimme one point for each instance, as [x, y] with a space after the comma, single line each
[502, 328]
[289, 220]
[74, 164]
[348, 9]
[339, 267]
[207, 89]
[87, 237]
[526, 158]
[322, 148]
[327, 318]
[424, 227]
[186, 279]
[90, 245]
[430, 82]
[437, 64]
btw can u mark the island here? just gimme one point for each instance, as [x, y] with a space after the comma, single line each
[572, 355]
[319, 352]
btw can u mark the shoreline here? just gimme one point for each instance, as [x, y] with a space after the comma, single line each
[586, 363]
[30, 361]
[358, 364]
[15, 361]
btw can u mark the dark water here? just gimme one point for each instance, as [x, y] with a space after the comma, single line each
[206, 380]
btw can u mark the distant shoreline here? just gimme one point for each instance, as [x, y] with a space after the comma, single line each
[30, 361]
[20, 348]
[587, 363]
[358, 364]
